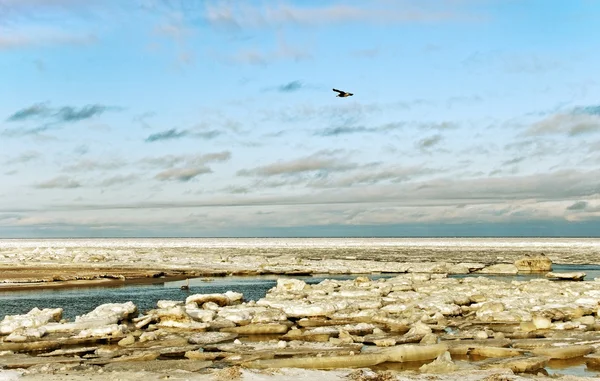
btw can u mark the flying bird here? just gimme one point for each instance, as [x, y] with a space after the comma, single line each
[342, 94]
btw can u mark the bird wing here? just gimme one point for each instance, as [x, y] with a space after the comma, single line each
[339, 91]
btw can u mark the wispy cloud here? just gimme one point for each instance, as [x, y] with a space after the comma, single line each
[588, 110]
[166, 135]
[16, 8]
[516, 160]
[238, 15]
[580, 121]
[290, 87]
[59, 182]
[88, 165]
[343, 130]
[142, 118]
[527, 63]
[429, 142]
[72, 114]
[183, 168]
[372, 175]
[24, 157]
[15, 39]
[173, 134]
[36, 110]
[282, 51]
[66, 114]
[181, 174]
[320, 161]
[52, 118]
[119, 180]
[169, 161]
[438, 126]
[579, 205]
[42, 22]
[176, 29]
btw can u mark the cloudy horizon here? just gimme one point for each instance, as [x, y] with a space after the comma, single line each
[167, 118]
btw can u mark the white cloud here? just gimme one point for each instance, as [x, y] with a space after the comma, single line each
[241, 15]
[42, 36]
[570, 124]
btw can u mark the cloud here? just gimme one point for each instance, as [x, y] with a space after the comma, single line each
[348, 112]
[88, 165]
[531, 64]
[11, 39]
[290, 87]
[142, 118]
[24, 157]
[206, 134]
[579, 205]
[572, 124]
[336, 131]
[71, 114]
[16, 132]
[24, 7]
[282, 51]
[166, 135]
[476, 195]
[585, 128]
[320, 161]
[526, 63]
[36, 110]
[515, 160]
[190, 165]
[588, 110]
[372, 175]
[169, 161]
[177, 30]
[60, 182]
[429, 142]
[173, 134]
[439, 126]
[181, 174]
[237, 16]
[26, 23]
[66, 114]
[118, 180]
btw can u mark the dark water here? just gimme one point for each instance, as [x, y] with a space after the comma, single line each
[78, 301]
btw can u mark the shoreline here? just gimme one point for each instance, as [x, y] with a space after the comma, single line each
[63, 277]
[67, 284]
[26, 278]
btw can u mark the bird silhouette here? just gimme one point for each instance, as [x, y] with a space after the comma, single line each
[342, 94]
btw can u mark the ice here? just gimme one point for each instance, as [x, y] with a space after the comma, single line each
[189, 251]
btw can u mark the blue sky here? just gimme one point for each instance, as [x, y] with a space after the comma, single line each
[217, 118]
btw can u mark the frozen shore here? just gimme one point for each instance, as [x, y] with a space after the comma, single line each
[410, 326]
[417, 325]
[54, 263]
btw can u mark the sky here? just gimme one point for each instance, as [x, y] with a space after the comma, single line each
[192, 118]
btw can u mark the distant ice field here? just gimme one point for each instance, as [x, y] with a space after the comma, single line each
[534, 243]
[487, 250]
